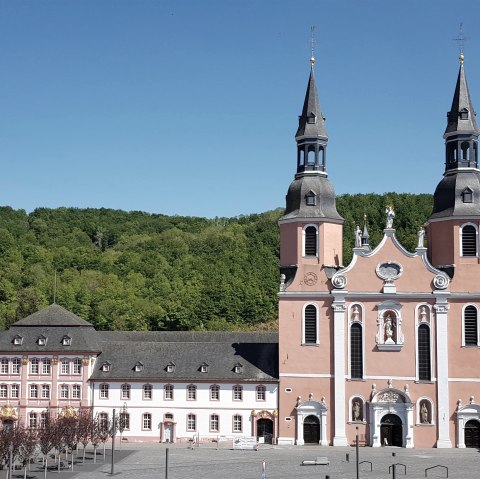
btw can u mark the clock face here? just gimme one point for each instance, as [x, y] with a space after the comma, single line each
[389, 271]
[310, 279]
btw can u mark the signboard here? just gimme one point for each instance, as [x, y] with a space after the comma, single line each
[245, 442]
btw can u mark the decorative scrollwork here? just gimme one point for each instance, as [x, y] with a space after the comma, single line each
[339, 281]
[441, 281]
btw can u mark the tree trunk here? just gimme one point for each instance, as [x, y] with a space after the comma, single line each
[94, 453]
[46, 464]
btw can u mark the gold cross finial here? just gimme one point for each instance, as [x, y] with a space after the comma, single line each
[312, 45]
[461, 39]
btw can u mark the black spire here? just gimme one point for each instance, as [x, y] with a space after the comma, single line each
[461, 134]
[458, 194]
[311, 135]
[311, 195]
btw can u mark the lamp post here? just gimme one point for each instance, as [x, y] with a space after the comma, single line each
[10, 461]
[114, 430]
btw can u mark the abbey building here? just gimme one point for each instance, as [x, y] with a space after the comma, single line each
[386, 346]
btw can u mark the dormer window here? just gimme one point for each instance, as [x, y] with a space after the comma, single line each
[17, 340]
[204, 368]
[463, 114]
[67, 340]
[237, 369]
[138, 367]
[42, 340]
[311, 198]
[467, 195]
[170, 367]
[311, 119]
[106, 366]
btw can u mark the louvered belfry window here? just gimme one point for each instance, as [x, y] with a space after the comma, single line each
[356, 352]
[424, 369]
[470, 326]
[310, 324]
[310, 241]
[469, 241]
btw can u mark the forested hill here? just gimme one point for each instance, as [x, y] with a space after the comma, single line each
[134, 270]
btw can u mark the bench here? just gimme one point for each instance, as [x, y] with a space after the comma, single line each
[319, 461]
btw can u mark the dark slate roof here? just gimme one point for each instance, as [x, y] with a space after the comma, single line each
[53, 315]
[461, 101]
[84, 339]
[311, 106]
[256, 352]
[447, 199]
[325, 206]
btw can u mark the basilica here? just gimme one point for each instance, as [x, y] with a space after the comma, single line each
[384, 348]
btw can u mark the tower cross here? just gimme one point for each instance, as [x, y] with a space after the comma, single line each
[461, 39]
[313, 42]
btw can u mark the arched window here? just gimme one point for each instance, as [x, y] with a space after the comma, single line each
[191, 392]
[311, 155]
[424, 366]
[310, 241]
[465, 146]
[191, 422]
[469, 240]
[356, 351]
[310, 333]
[470, 326]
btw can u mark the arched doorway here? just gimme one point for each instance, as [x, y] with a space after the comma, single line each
[311, 430]
[391, 431]
[265, 430]
[7, 423]
[472, 434]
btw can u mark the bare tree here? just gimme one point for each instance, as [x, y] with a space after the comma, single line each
[29, 448]
[47, 440]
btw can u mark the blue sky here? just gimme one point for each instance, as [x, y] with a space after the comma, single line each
[190, 107]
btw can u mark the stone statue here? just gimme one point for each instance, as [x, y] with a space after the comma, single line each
[423, 315]
[424, 413]
[356, 314]
[421, 236]
[356, 410]
[388, 330]
[390, 216]
[358, 237]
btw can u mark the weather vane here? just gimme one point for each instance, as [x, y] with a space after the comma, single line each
[461, 39]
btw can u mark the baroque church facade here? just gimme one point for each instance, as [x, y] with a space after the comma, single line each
[385, 347]
[388, 346]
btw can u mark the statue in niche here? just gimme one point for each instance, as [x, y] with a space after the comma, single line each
[358, 237]
[421, 236]
[390, 216]
[388, 326]
[356, 410]
[356, 314]
[424, 413]
[423, 315]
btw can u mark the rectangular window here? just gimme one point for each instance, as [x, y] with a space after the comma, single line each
[65, 366]
[64, 391]
[76, 391]
[147, 391]
[147, 421]
[4, 366]
[191, 422]
[104, 391]
[168, 391]
[3, 391]
[15, 391]
[32, 420]
[214, 423]
[103, 421]
[237, 393]
[214, 393]
[47, 366]
[125, 392]
[45, 391]
[16, 364]
[124, 421]
[77, 366]
[33, 391]
[237, 423]
[34, 366]
[191, 392]
[43, 419]
[261, 393]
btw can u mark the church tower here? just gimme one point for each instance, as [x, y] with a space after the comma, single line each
[454, 223]
[310, 253]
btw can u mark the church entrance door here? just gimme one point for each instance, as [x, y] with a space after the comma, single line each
[472, 434]
[391, 431]
[311, 430]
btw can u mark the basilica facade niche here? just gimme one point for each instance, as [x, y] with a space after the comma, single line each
[389, 326]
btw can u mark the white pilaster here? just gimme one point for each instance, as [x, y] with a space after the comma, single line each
[443, 406]
[340, 438]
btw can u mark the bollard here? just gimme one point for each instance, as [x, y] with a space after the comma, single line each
[327, 477]
[394, 454]
[347, 457]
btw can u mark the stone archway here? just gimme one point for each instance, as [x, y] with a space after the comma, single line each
[391, 418]
[311, 420]
[468, 425]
